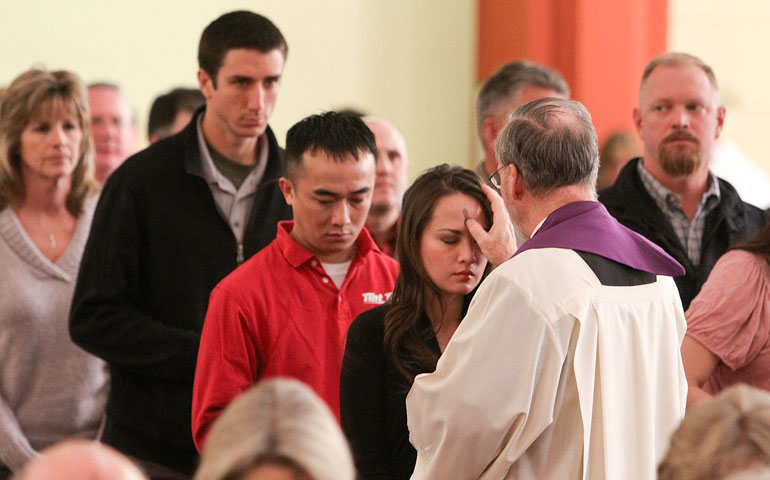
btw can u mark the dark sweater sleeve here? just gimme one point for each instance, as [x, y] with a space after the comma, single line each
[362, 393]
[106, 318]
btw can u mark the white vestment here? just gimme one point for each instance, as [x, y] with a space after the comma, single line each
[552, 375]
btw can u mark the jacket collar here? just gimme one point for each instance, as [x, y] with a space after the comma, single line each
[297, 255]
[194, 163]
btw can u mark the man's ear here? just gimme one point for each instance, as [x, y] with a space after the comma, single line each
[518, 187]
[206, 83]
[489, 131]
[721, 111]
[287, 188]
[637, 116]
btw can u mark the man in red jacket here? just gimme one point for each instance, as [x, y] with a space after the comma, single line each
[286, 311]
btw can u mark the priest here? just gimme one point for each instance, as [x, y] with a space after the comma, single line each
[567, 364]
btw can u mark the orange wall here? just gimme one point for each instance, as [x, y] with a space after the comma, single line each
[601, 47]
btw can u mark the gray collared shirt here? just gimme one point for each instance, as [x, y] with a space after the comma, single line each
[689, 232]
[233, 204]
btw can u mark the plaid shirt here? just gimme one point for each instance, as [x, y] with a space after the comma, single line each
[689, 232]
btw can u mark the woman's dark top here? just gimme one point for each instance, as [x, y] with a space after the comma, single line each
[373, 401]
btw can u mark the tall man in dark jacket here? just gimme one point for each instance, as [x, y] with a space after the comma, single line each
[669, 195]
[173, 221]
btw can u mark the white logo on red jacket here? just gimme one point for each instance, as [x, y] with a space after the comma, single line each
[375, 298]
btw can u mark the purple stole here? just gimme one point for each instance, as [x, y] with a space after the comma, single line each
[588, 227]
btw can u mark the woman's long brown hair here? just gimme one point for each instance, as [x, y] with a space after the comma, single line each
[406, 340]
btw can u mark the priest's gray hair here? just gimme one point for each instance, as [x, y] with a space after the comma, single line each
[278, 422]
[552, 143]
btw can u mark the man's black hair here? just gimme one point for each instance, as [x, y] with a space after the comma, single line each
[239, 29]
[337, 134]
[165, 108]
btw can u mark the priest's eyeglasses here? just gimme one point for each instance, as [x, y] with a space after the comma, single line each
[494, 179]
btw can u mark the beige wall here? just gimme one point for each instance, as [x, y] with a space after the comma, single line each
[731, 38]
[410, 61]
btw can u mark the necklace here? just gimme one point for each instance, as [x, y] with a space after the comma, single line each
[45, 232]
[52, 243]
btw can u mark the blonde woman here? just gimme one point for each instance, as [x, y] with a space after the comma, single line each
[50, 390]
[278, 427]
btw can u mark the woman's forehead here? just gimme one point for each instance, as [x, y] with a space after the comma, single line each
[55, 107]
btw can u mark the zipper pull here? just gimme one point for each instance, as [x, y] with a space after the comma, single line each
[239, 258]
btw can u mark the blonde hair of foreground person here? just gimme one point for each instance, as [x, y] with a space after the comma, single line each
[80, 460]
[721, 436]
[277, 423]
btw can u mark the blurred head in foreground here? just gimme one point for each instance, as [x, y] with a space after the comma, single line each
[278, 429]
[721, 436]
[80, 460]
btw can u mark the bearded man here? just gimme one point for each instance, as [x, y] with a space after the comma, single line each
[669, 195]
